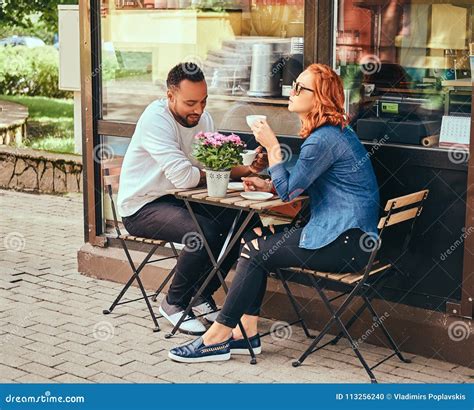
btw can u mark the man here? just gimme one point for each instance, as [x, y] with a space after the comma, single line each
[159, 158]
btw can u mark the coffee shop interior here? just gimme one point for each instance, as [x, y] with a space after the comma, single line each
[414, 56]
[406, 69]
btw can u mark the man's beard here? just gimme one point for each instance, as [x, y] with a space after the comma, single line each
[183, 120]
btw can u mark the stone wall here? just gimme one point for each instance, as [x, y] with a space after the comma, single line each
[30, 170]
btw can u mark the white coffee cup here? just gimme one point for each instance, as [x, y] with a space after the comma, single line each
[248, 156]
[251, 119]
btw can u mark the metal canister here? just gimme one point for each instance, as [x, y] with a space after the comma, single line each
[267, 64]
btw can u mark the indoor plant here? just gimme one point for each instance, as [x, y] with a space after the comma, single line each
[218, 153]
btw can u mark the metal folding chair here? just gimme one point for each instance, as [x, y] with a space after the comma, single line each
[111, 170]
[363, 284]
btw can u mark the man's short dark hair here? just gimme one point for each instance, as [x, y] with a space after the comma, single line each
[184, 71]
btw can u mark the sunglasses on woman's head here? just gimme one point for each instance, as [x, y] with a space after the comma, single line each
[297, 87]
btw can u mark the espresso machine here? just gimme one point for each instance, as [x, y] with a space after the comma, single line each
[293, 65]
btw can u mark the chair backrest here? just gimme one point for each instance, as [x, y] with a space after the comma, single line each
[397, 210]
[403, 208]
[111, 169]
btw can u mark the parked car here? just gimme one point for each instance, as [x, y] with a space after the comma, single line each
[30, 42]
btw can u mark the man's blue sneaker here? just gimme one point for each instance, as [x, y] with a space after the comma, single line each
[197, 351]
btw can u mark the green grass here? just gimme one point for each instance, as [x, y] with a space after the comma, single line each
[43, 107]
[52, 144]
[50, 124]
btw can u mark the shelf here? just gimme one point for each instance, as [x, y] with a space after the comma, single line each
[242, 98]
[465, 82]
[149, 89]
[408, 91]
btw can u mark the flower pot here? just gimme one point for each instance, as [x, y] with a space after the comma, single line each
[217, 182]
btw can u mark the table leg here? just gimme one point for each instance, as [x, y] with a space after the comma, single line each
[229, 242]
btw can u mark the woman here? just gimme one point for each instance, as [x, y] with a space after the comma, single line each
[334, 169]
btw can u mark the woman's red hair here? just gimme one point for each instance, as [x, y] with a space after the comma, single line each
[328, 98]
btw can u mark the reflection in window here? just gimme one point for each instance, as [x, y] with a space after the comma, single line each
[405, 66]
[250, 51]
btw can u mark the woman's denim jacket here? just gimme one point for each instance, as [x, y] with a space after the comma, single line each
[335, 170]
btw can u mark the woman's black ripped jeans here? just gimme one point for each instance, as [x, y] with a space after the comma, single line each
[264, 250]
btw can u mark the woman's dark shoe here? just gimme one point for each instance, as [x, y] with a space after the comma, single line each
[197, 351]
[241, 347]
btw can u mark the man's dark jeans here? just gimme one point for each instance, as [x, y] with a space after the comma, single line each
[167, 218]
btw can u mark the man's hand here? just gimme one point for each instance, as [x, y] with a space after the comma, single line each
[202, 179]
[260, 162]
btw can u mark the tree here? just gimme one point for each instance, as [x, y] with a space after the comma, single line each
[22, 13]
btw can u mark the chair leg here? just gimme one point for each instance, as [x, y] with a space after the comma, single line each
[119, 296]
[150, 308]
[312, 346]
[385, 331]
[136, 272]
[163, 284]
[349, 323]
[315, 342]
[167, 279]
[173, 248]
[370, 291]
[294, 304]
[336, 318]
[135, 276]
[356, 350]
[336, 314]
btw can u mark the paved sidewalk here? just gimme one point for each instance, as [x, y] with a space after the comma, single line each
[52, 328]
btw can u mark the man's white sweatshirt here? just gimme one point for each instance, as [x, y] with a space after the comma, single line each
[158, 158]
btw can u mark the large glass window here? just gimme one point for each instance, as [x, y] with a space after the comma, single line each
[249, 50]
[406, 68]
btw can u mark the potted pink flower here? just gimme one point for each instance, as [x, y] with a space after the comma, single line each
[218, 153]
